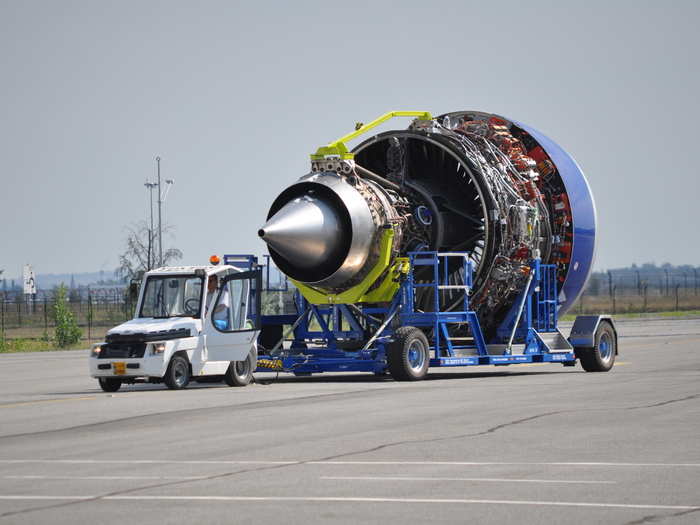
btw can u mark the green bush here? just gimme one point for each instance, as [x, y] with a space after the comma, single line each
[67, 332]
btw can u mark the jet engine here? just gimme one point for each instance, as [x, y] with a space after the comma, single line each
[465, 181]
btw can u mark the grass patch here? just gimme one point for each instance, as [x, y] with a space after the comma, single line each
[11, 346]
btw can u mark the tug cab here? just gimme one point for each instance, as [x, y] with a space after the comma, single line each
[196, 323]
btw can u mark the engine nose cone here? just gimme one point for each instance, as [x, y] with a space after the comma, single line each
[306, 232]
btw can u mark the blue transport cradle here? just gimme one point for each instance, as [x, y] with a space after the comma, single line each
[358, 337]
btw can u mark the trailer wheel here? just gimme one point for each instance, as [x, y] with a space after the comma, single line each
[109, 384]
[177, 376]
[240, 373]
[601, 357]
[408, 356]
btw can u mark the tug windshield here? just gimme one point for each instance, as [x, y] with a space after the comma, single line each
[176, 296]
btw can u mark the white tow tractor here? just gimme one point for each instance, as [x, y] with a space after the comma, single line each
[191, 323]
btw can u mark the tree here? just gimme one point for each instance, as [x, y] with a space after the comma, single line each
[67, 331]
[139, 255]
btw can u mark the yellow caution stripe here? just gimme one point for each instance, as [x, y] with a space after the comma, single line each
[270, 364]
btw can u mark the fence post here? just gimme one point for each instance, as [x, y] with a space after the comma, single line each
[46, 318]
[677, 287]
[89, 318]
[19, 312]
[644, 308]
[614, 305]
[2, 319]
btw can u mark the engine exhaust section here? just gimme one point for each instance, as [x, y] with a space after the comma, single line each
[465, 181]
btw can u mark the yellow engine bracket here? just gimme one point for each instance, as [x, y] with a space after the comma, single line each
[358, 294]
[338, 149]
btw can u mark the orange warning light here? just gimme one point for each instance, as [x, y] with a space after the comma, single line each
[214, 259]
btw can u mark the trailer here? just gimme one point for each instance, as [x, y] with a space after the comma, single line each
[399, 338]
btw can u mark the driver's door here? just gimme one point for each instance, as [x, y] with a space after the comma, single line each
[233, 322]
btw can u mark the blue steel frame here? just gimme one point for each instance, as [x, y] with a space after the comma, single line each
[333, 338]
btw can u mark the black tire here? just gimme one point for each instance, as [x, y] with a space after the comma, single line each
[240, 373]
[177, 376]
[109, 384]
[408, 356]
[600, 358]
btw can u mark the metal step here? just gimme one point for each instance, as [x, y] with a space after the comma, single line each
[462, 352]
[499, 348]
[555, 342]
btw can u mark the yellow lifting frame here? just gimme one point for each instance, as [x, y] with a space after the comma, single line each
[338, 149]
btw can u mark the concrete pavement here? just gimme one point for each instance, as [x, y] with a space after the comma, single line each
[525, 444]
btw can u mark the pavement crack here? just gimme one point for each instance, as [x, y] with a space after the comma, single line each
[663, 403]
[444, 438]
[274, 467]
[138, 489]
[656, 518]
[243, 406]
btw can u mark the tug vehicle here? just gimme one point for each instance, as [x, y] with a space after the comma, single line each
[196, 323]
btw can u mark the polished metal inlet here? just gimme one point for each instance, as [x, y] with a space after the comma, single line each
[305, 231]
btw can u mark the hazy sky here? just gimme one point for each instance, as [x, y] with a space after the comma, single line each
[234, 95]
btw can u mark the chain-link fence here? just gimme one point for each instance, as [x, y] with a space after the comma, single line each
[640, 290]
[97, 310]
[33, 319]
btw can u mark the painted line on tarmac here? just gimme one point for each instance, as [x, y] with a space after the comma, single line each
[42, 401]
[495, 480]
[340, 499]
[349, 478]
[302, 462]
[147, 462]
[503, 463]
[110, 478]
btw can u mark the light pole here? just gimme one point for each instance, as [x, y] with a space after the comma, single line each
[163, 195]
[160, 218]
[161, 199]
[150, 186]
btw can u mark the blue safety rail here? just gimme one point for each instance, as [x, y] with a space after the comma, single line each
[283, 281]
[242, 261]
[546, 299]
[249, 262]
[435, 269]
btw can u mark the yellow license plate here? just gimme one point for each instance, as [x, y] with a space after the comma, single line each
[119, 369]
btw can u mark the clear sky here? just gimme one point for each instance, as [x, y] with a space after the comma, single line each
[234, 95]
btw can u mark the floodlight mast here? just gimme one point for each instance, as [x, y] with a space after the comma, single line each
[150, 186]
[160, 221]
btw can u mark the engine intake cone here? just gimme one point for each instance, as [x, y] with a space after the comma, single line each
[306, 232]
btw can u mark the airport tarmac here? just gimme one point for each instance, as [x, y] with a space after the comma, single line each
[520, 444]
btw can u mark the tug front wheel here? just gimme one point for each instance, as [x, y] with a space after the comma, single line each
[240, 373]
[177, 376]
[601, 357]
[408, 356]
[110, 384]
